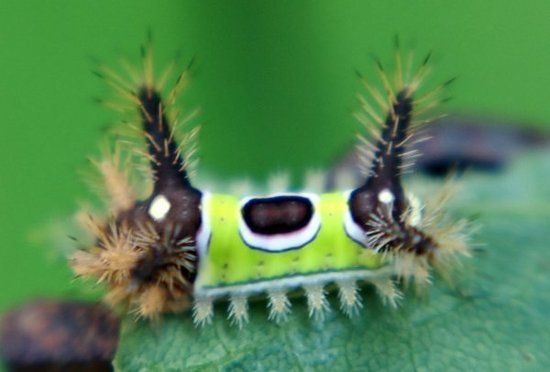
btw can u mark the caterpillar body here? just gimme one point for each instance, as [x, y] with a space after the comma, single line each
[182, 248]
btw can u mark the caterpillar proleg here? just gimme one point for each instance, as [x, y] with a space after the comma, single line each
[173, 246]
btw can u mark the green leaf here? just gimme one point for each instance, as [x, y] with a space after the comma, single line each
[498, 319]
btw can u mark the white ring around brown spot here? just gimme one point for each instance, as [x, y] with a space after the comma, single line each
[353, 230]
[286, 241]
[205, 230]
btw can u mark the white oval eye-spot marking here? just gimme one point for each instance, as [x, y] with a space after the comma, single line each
[352, 229]
[204, 234]
[160, 206]
[385, 196]
[284, 241]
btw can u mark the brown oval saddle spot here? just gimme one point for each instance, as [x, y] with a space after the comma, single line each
[278, 214]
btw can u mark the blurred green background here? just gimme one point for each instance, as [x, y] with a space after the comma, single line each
[275, 81]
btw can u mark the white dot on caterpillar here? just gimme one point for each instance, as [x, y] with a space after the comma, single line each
[385, 196]
[159, 208]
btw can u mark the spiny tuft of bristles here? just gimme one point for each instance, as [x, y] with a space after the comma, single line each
[122, 248]
[129, 133]
[406, 82]
[119, 250]
[450, 236]
[280, 307]
[393, 236]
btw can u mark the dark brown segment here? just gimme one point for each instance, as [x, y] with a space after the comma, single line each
[171, 178]
[277, 215]
[168, 166]
[181, 224]
[177, 230]
[385, 169]
[385, 220]
[361, 204]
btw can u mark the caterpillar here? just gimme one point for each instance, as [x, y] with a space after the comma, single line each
[167, 245]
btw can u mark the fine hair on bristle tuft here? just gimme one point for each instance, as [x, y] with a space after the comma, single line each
[112, 178]
[203, 311]
[317, 301]
[350, 299]
[145, 249]
[238, 310]
[279, 305]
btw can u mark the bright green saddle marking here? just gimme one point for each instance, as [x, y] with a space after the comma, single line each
[229, 261]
